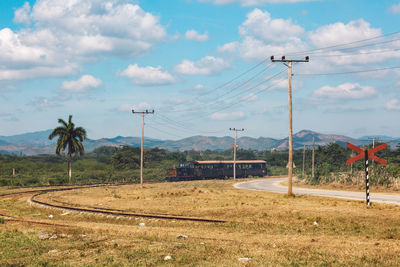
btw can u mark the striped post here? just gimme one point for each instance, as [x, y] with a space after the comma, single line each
[366, 177]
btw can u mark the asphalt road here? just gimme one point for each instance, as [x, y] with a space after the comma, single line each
[273, 185]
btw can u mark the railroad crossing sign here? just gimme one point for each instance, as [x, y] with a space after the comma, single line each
[366, 154]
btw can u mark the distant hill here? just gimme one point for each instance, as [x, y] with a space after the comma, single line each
[38, 142]
[36, 138]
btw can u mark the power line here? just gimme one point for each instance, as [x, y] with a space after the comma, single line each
[343, 44]
[231, 91]
[356, 47]
[180, 126]
[157, 129]
[240, 101]
[235, 78]
[348, 72]
[358, 54]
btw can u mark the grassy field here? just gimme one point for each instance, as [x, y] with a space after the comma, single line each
[271, 229]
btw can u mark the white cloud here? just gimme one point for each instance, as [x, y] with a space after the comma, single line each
[142, 106]
[83, 84]
[43, 102]
[206, 66]
[395, 8]
[261, 26]
[339, 33]
[345, 91]
[92, 26]
[148, 75]
[262, 36]
[228, 116]
[21, 15]
[67, 33]
[195, 36]
[393, 104]
[252, 2]
[138, 107]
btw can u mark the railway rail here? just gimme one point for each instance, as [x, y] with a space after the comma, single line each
[105, 211]
[115, 212]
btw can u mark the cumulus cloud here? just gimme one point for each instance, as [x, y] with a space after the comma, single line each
[148, 75]
[83, 84]
[336, 33]
[263, 35]
[393, 104]
[138, 107]
[195, 36]
[228, 116]
[206, 66]
[64, 34]
[345, 91]
[252, 2]
[41, 103]
[21, 15]
[261, 26]
[395, 8]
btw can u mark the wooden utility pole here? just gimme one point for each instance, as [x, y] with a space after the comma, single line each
[141, 143]
[288, 63]
[234, 150]
[313, 157]
[304, 160]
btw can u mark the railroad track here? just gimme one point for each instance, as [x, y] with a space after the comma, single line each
[104, 211]
[97, 210]
[115, 212]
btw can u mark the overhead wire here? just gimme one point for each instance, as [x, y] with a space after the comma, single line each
[343, 44]
[179, 126]
[360, 53]
[240, 101]
[347, 72]
[176, 124]
[235, 88]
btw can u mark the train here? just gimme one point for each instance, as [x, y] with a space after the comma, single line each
[217, 169]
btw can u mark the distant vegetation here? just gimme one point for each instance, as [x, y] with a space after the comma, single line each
[112, 164]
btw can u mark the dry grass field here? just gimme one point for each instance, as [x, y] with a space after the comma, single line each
[270, 229]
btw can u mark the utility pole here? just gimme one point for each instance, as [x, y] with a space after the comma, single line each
[304, 159]
[289, 63]
[234, 150]
[313, 157]
[141, 150]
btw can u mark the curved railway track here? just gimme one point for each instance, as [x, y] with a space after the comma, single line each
[104, 211]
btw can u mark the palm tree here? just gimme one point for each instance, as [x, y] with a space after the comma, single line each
[69, 136]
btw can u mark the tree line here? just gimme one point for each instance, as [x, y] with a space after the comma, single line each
[112, 164]
[122, 164]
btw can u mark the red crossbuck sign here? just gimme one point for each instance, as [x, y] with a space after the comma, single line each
[370, 153]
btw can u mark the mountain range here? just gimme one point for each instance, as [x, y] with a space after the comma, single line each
[38, 143]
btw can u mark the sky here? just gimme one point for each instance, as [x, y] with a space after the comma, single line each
[203, 66]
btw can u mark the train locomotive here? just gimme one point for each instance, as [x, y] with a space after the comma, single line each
[217, 169]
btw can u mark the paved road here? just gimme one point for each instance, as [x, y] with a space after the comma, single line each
[273, 185]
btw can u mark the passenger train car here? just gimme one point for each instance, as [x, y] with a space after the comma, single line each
[217, 169]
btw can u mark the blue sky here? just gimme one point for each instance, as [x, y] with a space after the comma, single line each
[202, 65]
